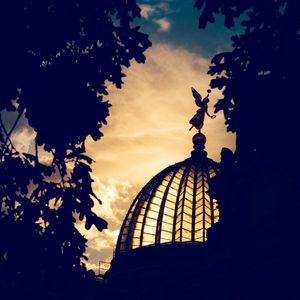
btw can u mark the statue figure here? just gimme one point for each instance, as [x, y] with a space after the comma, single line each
[198, 119]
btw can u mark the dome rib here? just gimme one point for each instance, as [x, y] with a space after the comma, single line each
[179, 197]
[177, 203]
[203, 199]
[137, 212]
[146, 213]
[211, 204]
[194, 202]
[162, 208]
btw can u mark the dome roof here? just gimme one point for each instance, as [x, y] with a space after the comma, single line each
[174, 206]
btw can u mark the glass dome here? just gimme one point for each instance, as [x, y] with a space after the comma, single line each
[174, 206]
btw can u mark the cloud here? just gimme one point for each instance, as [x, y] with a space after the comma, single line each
[23, 139]
[147, 10]
[158, 10]
[116, 197]
[163, 6]
[164, 24]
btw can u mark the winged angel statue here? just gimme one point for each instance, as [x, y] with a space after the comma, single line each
[198, 119]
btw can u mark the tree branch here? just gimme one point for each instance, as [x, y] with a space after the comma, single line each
[7, 136]
[59, 170]
[36, 153]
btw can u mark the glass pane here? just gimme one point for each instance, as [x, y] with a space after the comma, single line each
[148, 239]
[167, 236]
[188, 210]
[179, 210]
[168, 219]
[149, 229]
[156, 200]
[160, 192]
[136, 234]
[207, 225]
[169, 204]
[162, 241]
[169, 211]
[154, 207]
[199, 236]
[212, 173]
[140, 218]
[173, 189]
[167, 227]
[199, 222]
[199, 226]
[138, 226]
[135, 243]
[171, 198]
[168, 177]
[152, 214]
[176, 180]
[187, 218]
[199, 203]
[151, 222]
[143, 208]
[147, 243]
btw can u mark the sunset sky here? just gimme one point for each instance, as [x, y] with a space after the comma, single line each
[149, 124]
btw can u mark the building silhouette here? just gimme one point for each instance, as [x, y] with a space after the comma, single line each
[206, 230]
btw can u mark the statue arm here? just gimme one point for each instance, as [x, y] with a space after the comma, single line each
[211, 116]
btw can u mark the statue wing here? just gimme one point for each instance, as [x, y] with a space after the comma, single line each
[197, 96]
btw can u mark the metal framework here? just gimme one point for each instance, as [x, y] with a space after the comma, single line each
[174, 206]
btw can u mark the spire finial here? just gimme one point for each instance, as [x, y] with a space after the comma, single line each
[199, 140]
[197, 120]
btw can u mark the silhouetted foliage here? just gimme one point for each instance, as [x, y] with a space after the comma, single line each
[259, 77]
[56, 58]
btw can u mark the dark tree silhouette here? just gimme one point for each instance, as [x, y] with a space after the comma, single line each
[56, 58]
[259, 77]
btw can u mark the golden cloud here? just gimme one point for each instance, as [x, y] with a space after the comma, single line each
[164, 24]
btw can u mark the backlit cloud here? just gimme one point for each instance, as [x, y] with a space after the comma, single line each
[23, 139]
[116, 197]
[147, 10]
[164, 24]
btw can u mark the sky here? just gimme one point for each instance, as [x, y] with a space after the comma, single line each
[148, 126]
